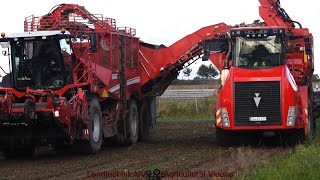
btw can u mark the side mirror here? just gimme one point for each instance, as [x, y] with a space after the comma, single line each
[4, 44]
[308, 46]
[68, 41]
[5, 53]
[213, 46]
[93, 42]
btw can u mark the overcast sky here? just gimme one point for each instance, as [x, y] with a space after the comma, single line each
[167, 21]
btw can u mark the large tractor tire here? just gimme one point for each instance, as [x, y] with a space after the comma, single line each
[13, 151]
[133, 123]
[310, 131]
[317, 110]
[228, 138]
[144, 120]
[223, 137]
[305, 135]
[129, 131]
[93, 145]
[291, 138]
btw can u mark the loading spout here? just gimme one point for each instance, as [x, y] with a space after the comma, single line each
[168, 61]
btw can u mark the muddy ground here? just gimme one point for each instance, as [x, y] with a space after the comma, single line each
[176, 148]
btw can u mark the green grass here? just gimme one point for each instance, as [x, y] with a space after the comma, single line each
[302, 163]
[186, 110]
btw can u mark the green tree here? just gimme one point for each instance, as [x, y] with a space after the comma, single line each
[315, 78]
[203, 71]
[187, 72]
[213, 71]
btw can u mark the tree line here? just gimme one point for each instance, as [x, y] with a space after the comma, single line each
[204, 72]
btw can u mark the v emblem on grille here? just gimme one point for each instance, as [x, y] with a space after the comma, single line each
[257, 99]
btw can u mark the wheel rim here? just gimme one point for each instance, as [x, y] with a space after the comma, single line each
[133, 122]
[96, 128]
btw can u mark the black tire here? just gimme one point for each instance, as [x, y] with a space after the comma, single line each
[314, 122]
[19, 152]
[133, 123]
[128, 132]
[61, 148]
[144, 121]
[298, 136]
[311, 128]
[317, 110]
[290, 138]
[223, 137]
[93, 145]
[236, 138]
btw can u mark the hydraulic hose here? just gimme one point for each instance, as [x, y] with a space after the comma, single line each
[225, 62]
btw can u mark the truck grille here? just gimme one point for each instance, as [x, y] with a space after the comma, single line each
[267, 94]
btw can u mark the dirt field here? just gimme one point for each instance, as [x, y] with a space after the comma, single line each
[176, 148]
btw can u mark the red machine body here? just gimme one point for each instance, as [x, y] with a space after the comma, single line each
[276, 97]
[100, 82]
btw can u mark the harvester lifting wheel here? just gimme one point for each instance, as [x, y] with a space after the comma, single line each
[93, 145]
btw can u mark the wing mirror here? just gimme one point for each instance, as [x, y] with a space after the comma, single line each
[308, 46]
[213, 46]
[93, 42]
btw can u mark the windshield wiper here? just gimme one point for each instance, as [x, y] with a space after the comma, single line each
[272, 45]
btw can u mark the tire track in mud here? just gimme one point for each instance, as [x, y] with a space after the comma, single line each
[174, 146]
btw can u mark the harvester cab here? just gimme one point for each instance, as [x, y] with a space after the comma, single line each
[39, 60]
[250, 48]
[258, 48]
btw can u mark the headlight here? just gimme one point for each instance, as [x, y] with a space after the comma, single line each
[222, 118]
[225, 117]
[291, 116]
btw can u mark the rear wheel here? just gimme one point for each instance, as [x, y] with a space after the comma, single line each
[128, 132]
[133, 123]
[93, 144]
[144, 120]
[18, 151]
[310, 131]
